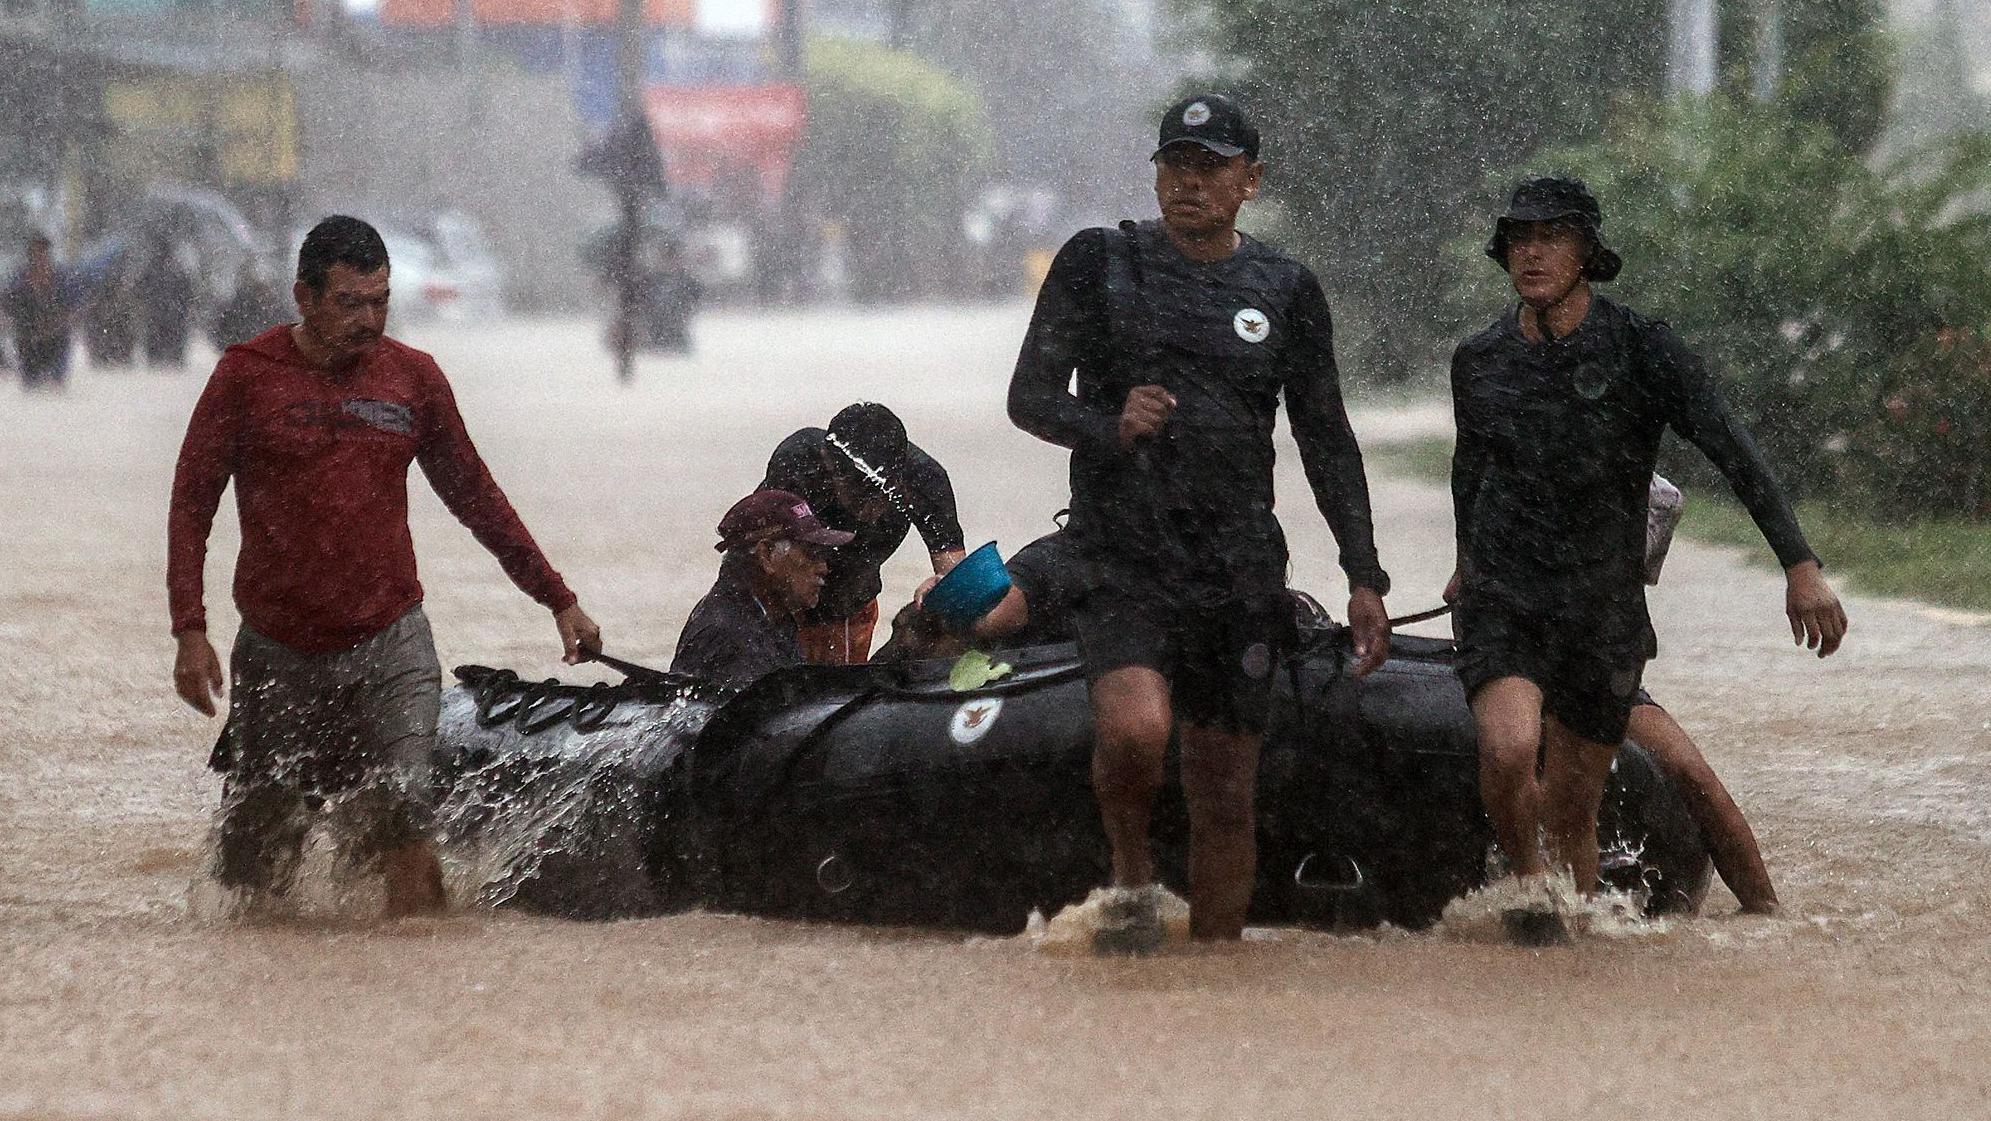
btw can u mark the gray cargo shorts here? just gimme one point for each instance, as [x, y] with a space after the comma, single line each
[349, 731]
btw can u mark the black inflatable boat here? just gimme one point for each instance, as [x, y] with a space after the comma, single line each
[880, 794]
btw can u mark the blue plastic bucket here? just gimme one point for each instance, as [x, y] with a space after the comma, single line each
[970, 589]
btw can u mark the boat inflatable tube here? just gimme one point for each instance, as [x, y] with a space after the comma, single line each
[878, 794]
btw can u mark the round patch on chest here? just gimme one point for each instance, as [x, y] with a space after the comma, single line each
[1251, 325]
[973, 720]
[1591, 379]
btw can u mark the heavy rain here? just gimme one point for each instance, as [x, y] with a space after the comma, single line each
[718, 558]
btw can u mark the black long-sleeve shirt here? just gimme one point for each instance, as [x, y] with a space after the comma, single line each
[1556, 446]
[730, 639]
[1190, 511]
[922, 499]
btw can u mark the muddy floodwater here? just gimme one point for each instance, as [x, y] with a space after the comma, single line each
[1868, 778]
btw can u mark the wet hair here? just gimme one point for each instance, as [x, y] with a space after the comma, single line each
[869, 432]
[339, 240]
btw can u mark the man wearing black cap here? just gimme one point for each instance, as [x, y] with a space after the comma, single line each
[776, 556]
[1183, 333]
[1560, 406]
[864, 476]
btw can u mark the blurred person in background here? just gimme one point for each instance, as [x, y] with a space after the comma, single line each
[110, 322]
[165, 292]
[673, 295]
[256, 305]
[863, 476]
[40, 302]
[335, 689]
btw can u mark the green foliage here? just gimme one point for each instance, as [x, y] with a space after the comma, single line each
[1817, 284]
[1838, 68]
[895, 148]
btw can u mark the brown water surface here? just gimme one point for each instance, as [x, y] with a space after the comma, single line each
[1868, 778]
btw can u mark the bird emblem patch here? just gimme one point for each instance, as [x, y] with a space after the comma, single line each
[1251, 325]
[973, 719]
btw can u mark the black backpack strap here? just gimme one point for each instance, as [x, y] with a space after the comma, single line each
[1129, 320]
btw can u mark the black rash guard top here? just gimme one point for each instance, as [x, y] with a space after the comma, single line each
[730, 639]
[922, 498]
[1188, 514]
[1053, 579]
[1556, 446]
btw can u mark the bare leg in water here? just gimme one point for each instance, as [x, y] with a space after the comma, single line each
[1727, 832]
[414, 881]
[1131, 715]
[1574, 771]
[1507, 713]
[1220, 784]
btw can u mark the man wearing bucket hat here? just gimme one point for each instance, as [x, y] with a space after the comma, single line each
[1183, 334]
[776, 558]
[1560, 407]
[862, 475]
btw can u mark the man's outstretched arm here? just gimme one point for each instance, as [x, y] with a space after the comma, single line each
[1698, 411]
[1333, 463]
[207, 459]
[466, 487]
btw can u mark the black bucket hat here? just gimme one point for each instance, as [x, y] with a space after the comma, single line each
[1546, 200]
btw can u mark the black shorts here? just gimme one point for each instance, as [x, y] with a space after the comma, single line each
[1218, 660]
[1589, 679]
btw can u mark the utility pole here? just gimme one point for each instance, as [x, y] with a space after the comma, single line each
[781, 242]
[628, 192]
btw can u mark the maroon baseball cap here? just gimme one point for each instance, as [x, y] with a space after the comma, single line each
[766, 515]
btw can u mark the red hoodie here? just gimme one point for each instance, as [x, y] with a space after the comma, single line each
[320, 463]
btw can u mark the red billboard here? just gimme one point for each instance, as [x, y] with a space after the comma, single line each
[715, 136]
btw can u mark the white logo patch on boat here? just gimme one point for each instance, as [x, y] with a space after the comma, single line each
[973, 719]
[1197, 114]
[1251, 325]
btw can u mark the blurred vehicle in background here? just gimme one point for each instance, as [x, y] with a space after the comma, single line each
[200, 239]
[1014, 229]
[442, 265]
[721, 255]
[463, 280]
[716, 250]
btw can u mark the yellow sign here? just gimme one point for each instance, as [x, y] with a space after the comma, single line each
[244, 127]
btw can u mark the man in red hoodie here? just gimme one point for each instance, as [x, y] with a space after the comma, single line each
[335, 688]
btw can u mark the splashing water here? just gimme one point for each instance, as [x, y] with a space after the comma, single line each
[1071, 930]
[874, 475]
[1608, 914]
[560, 810]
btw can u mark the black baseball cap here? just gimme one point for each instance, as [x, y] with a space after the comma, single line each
[870, 441]
[1209, 120]
[766, 515]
